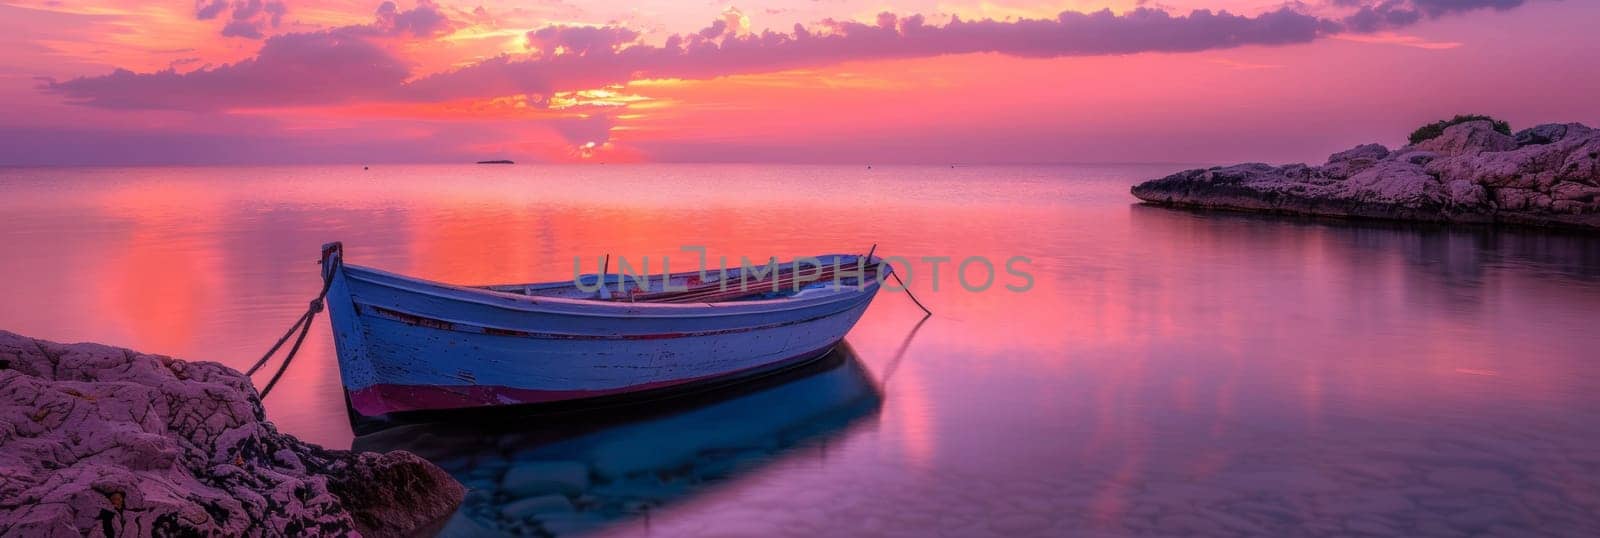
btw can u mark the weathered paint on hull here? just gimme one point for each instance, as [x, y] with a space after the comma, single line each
[406, 344]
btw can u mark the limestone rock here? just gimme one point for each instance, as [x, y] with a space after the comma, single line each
[1352, 161]
[1548, 175]
[1467, 193]
[1399, 183]
[1372, 152]
[1418, 157]
[96, 440]
[1468, 138]
[1545, 134]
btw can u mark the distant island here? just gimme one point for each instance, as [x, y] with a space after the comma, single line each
[1470, 169]
[498, 161]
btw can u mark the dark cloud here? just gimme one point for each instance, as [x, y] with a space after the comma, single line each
[1377, 17]
[207, 11]
[275, 11]
[581, 40]
[243, 28]
[247, 18]
[1372, 16]
[605, 61]
[425, 20]
[717, 28]
[1435, 8]
[329, 66]
[342, 64]
[291, 69]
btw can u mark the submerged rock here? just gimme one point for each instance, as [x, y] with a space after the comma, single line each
[535, 506]
[97, 440]
[1547, 175]
[527, 479]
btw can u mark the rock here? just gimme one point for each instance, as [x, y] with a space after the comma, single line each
[103, 440]
[571, 524]
[1545, 134]
[1577, 192]
[1420, 158]
[1371, 152]
[1396, 183]
[1345, 163]
[1467, 193]
[1488, 169]
[1549, 176]
[534, 506]
[1582, 163]
[1468, 138]
[1516, 200]
[528, 479]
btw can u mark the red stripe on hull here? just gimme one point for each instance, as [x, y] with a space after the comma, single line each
[382, 399]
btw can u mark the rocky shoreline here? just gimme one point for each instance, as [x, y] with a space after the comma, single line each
[1547, 175]
[98, 440]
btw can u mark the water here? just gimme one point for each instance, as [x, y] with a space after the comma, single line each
[1169, 372]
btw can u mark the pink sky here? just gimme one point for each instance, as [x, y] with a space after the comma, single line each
[288, 81]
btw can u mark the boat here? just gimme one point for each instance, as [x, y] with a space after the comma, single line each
[408, 345]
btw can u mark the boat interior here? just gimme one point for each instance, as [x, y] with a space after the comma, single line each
[767, 281]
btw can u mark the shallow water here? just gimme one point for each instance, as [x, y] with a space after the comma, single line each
[1169, 372]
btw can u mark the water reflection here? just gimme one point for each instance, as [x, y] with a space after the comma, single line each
[576, 472]
[1459, 255]
[1169, 371]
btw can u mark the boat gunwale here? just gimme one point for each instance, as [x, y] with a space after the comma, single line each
[498, 330]
[604, 309]
[654, 277]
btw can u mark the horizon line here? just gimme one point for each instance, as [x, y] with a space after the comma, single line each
[602, 163]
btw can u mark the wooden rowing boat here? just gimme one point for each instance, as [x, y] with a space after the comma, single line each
[407, 344]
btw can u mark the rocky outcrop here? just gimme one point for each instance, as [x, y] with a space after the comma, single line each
[1545, 176]
[96, 440]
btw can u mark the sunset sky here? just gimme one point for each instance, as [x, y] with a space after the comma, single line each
[891, 81]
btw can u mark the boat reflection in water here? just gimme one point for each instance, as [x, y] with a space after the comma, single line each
[576, 472]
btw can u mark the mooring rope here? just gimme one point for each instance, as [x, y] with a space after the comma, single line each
[303, 325]
[903, 286]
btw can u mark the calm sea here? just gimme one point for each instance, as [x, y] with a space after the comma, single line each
[1168, 372]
